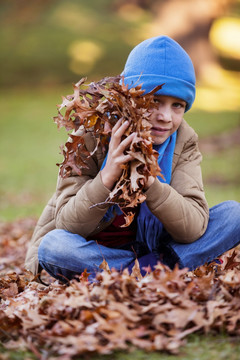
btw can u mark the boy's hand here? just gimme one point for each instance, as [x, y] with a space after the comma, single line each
[116, 157]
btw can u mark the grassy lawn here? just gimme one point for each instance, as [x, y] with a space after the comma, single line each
[198, 348]
[221, 173]
[212, 347]
[29, 150]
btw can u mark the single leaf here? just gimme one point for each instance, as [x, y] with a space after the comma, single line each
[104, 266]
[231, 263]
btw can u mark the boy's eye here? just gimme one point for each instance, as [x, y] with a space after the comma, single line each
[178, 105]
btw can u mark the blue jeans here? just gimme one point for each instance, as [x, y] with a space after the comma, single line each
[64, 255]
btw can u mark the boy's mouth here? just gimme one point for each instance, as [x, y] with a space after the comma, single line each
[159, 130]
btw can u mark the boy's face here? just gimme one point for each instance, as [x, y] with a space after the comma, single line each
[166, 117]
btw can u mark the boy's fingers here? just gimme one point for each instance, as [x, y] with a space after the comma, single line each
[116, 126]
[120, 128]
[117, 134]
[126, 142]
[127, 158]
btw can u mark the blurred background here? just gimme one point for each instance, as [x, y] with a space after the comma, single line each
[47, 45]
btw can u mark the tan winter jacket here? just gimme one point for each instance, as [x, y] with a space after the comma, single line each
[180, 206]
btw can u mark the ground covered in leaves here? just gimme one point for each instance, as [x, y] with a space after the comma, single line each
[119, 311]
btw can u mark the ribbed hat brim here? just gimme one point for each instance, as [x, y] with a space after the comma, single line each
[175, 87]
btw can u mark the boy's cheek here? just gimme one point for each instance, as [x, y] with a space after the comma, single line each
[177, 124]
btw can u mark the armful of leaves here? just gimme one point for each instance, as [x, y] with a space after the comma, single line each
[96, 109]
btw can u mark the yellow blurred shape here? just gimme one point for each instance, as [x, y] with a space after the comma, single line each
[219, 89]
[84, 55]
[225, 36]
[214, 75]
[213, 99]
[85, 51]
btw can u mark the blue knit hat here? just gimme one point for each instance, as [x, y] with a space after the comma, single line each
[161, 60]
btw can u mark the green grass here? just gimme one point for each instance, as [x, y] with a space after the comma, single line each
[219, 347]
[222, 175]
[16, 355]
[212, 123]
[198, 348]
[29, 150]
[221, 172]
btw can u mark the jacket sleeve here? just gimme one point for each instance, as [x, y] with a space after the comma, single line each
[77, 198]
[181, 206]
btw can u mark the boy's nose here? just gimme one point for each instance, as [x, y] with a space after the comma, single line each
[164, 114]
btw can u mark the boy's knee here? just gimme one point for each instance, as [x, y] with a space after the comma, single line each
[234, 207]
[232, 203]
[226, 207]
[51, 244]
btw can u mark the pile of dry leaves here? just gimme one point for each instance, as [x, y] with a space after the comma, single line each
[119, 311]
[95, 108]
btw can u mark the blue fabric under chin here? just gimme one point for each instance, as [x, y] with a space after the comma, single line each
[148, 225]
[165, 157]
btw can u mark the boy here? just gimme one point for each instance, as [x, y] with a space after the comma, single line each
[173, 224]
